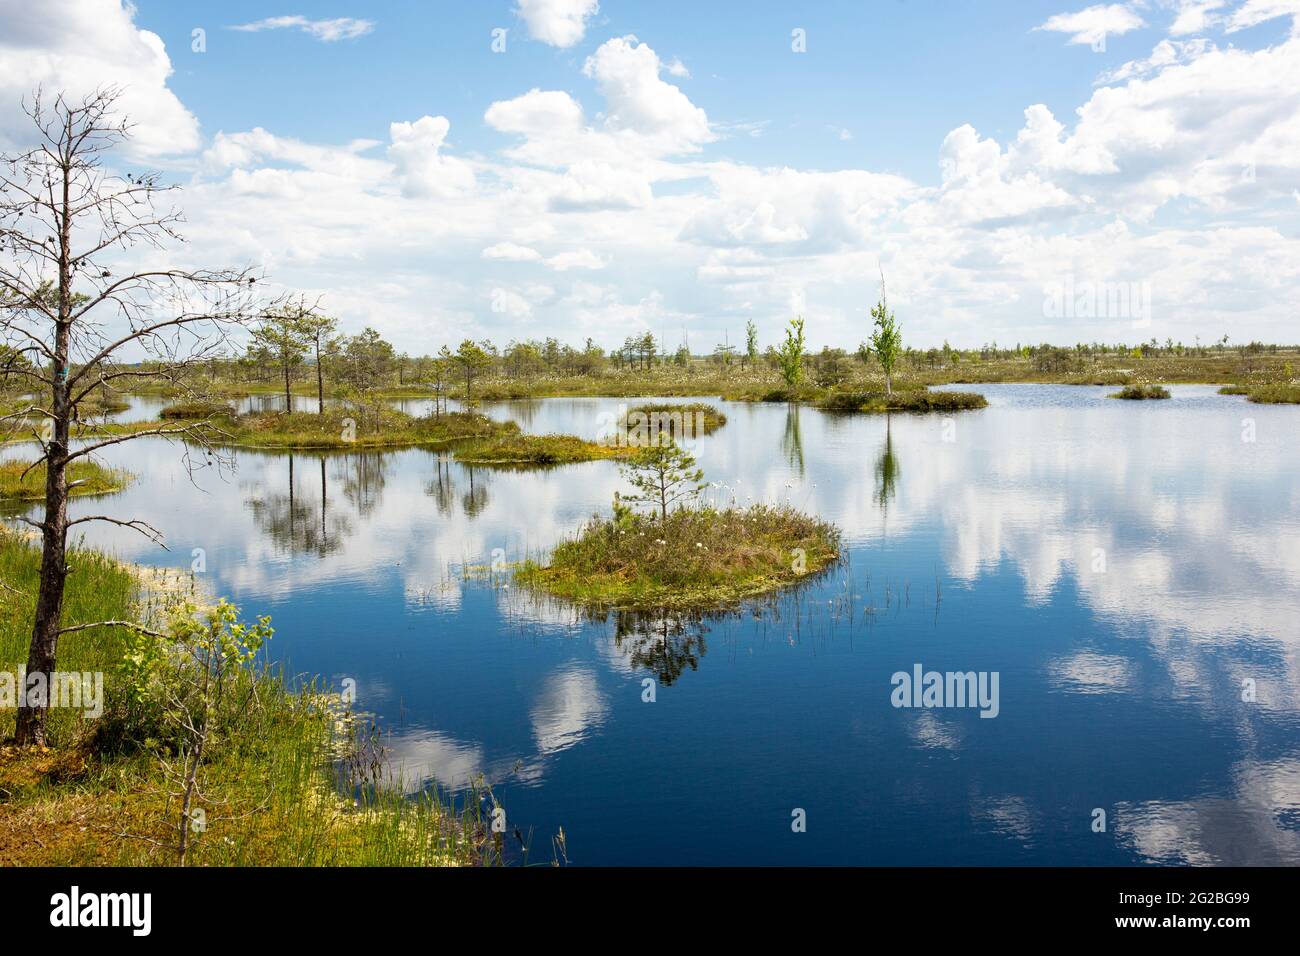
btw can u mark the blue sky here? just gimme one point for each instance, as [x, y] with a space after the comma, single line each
[898, 74]
[681, 168]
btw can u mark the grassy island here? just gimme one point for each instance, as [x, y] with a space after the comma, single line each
[85, 478]
[697, 558]
[344, 429]
[1282, 394]
[100, 405]
[678, 420]
[194, 409]
[513, 448]
[913, 400]
[680, 555]
[472, 437]
[1141, 393]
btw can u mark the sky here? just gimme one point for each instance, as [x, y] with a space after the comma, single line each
[1019, 172]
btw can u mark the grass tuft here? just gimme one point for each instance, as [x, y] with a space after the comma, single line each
[92, 479]
[1139, 393]
[1284, 394]
[197, 408]
[915, 400]
[518, 449]
[695, 418]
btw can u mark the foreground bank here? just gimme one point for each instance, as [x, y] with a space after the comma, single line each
[148, 767]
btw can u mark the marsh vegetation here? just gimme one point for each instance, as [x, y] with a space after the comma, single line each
[661, 549]
[286, 775]
[1140, 393]
[25, 480]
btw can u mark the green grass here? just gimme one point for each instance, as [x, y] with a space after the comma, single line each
[1140, 393]
[694, 418]
[197, 409]
[698, 558]
[102, 405]
[760, 381]
[1235, 390]
[519, 449]
[392, 429]
[912, 400]
[93, 478]
[1282, 394]
[98, 589]
[473, 437]
[766, 392]
[98, 795]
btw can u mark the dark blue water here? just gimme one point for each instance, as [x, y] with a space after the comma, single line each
[1122, 567]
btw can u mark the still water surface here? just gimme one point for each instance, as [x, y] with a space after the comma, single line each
[1123, 567]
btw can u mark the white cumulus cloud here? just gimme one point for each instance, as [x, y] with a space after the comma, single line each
[78, 46]
[1092, 25]
[560, 23]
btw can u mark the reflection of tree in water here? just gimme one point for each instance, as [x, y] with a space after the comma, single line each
[792, 440]
[523, 411]
[301, 523]
[362, 476]
[442, 488]
[663, 643]
[476, 497]
[887, 471]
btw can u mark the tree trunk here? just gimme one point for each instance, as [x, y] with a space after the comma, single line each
[288, 399]
[320, 383]
[41, 657]
[42, 654]
[323, 533]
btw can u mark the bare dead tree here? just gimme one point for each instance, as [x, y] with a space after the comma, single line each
[75, 319]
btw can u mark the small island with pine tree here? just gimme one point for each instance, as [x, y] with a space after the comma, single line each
[662, 548]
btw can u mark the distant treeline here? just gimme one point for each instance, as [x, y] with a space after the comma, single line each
[366, 361]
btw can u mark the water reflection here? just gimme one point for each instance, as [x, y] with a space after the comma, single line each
[1124, 568]
[887, 470]
[663, 643]
[440, 487]
[301, 521]
[363, 477]
[792, 438]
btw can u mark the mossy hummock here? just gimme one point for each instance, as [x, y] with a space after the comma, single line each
[678, 420]
[515, 449]
[345, 429]
[1140, 393]
[912, 400]
[18, 483]
[697, 558]
[1286, 394]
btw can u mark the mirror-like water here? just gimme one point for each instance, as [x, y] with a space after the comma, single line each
[1124, 568]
